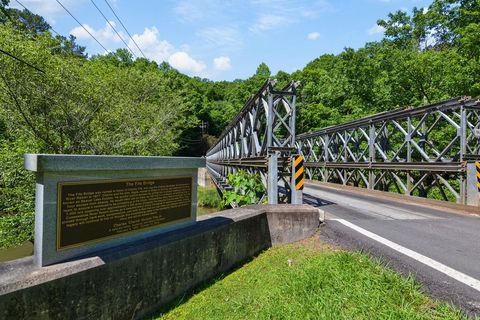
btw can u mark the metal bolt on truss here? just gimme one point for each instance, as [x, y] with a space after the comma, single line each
[415, 151]
[259, 140]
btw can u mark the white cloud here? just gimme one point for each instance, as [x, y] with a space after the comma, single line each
[152, 46]
[304, 8]
[313, 35]
[376, 29]
[161, 50]
[195, 10]
[270, 21]
[188, 11]
[227, 38]
[182, 61]
[274, 14]
[46, 8]
[105, 34]
[222, 63]
[81, 33]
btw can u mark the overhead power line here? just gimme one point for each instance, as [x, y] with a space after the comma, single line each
[119, 20]
[101, 45]
[24, 7]
[21, 60]
[113, 28]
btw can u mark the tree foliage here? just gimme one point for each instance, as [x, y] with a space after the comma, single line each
[115, 104]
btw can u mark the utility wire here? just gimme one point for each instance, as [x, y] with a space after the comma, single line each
[108, 4]
[108, 21]
[58, 1]
[58, 34]
[21, 60]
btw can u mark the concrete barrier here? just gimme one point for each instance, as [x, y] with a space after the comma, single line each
[135, 280]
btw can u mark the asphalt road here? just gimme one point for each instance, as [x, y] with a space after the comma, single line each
[441, 249]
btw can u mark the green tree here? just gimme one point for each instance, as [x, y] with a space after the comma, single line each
[263, 71]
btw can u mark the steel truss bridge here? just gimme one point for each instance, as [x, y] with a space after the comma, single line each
[259, 140]
[422, 151]
[414, 151]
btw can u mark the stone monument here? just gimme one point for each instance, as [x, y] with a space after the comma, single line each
[89, 203]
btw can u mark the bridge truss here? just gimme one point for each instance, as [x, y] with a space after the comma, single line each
[414, 151]
[259, 140]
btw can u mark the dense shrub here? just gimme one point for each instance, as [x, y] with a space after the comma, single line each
[17, 194]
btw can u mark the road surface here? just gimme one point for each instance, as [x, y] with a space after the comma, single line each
[441, 249]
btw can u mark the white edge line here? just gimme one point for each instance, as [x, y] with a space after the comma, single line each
[457, 275]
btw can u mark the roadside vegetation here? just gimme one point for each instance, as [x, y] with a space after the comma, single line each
[247, 189]
[208, 197]
[60, 100]
[310, 280]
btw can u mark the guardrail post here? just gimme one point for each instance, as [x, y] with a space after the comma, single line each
[462, 134]
[371, 155]
[473, 185]
[272, 178]
[409, 154]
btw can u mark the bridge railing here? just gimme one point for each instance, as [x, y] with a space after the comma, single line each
[414, 151]
[259, 140]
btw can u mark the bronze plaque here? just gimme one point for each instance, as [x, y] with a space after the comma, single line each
[90, 211]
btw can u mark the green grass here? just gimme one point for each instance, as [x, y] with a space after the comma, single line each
[310, 280]
[209, 197]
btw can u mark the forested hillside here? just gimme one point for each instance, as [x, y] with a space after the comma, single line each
[56, 99]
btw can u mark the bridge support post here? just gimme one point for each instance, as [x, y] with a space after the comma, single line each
[472, 184]
[272, 178]
[371, 155]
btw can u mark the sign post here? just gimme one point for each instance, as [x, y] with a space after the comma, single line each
[298, 179]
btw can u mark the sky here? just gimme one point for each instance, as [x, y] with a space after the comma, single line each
[223, 40]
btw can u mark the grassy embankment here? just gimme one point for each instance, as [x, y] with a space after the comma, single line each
[208, 200]
[310, 280]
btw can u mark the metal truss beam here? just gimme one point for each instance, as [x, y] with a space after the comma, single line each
[416, 151]
[262, 133]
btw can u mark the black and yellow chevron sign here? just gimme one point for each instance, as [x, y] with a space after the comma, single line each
[477, 164]
[299, 172]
